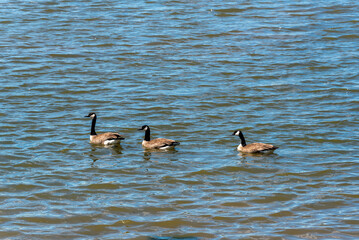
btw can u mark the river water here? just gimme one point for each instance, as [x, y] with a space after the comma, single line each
[283, 72]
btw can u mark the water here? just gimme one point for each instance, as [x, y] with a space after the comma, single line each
[284, 73]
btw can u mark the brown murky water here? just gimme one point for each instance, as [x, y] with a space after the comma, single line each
[284, 73]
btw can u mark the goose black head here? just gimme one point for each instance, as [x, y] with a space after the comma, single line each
[144, 127]
[91, 115]
[236, 133]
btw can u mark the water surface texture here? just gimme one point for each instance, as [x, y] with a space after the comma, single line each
[284, 72]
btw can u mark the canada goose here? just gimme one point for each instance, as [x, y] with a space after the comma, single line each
[158, 143]
[103, 138]
[253, 147]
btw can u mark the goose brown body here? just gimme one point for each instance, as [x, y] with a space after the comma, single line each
[158, 143]
[256, 148]
[107, 138]
[253, 147]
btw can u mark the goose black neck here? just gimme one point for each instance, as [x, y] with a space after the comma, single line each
[147, 134]
[243, 141]
[93, 132]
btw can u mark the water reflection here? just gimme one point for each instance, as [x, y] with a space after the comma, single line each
[147, 156]
[92, 155]
[173, 238]
[256, 155]
[147, 153]
[117, 149]
[97, 152]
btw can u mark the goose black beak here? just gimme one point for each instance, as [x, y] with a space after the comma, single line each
[139, 129]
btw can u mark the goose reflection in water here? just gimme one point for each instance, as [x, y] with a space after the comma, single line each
[97, 152]
[173, 238]
[147, 154]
